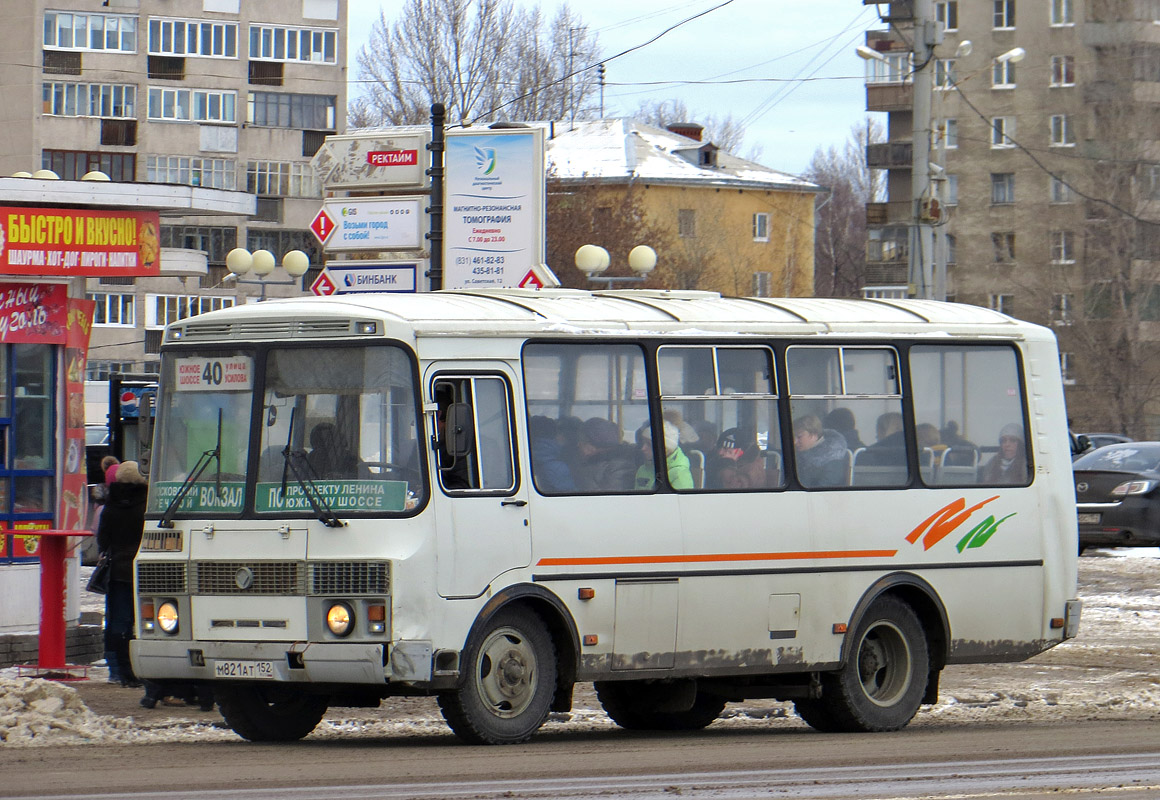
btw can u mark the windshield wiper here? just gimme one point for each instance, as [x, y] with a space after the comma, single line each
[166, 520]
[293, 461]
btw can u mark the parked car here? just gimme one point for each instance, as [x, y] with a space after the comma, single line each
[1117, 492]
[1098, 440]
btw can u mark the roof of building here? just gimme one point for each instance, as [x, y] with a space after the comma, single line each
[618, 150]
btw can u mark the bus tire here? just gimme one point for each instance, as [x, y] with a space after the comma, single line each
[883, 681]
[508, 682]
[630, 708]
[270, 713]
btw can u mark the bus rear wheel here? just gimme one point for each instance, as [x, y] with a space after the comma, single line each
[638, 708]
[509, 678]
[270, 713]
[883, 681]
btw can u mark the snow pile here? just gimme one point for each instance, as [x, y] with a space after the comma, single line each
[39, 712]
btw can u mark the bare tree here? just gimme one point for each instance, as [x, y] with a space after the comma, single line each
[612, 216]
[840, 239]
[483, 59]
[725, 132]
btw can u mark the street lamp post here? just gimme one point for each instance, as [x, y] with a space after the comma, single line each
[593, 260]
[240, 261]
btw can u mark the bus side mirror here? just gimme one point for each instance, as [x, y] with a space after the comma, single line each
[458, 430]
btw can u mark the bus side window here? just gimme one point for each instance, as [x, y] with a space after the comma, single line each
[474, 434]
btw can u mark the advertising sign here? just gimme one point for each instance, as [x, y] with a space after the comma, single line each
[387, 223]
[34, 313]
[373, 161]
[79, 242]
[494, 213]
[231, 373]
[349, 277]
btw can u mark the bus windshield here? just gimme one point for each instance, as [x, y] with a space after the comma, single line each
[337, 428]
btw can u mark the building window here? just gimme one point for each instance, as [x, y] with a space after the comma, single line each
[952, 249]
[946, 134]
[887, 244]
[104, 32]
[192, 105]
[277, 43]
[104, 370]
[211, 173]
[1152, 178]
[162, 309]
[1003, 303]
[944, 73]
[893, 68]
[305, 111]
[187, 37]
[1067, 368]
[71, 165]
[281, 179]
[1003, 243]
[214, 241]
[62, 62]
[1061, 134]
[1062, 247]
[1002, 188]
[113, 100]
[265, 73]
[761, 227]
[1003, 74]
[1059, 190]
[113, 309]
[686, 223]
[1002, 132]
[763, 284]
[947, 14]
[118, 132]
[1061, 308]
[281, 242]
[952, 190]
[1061, 12]
[1063, 70]
[1004, 14]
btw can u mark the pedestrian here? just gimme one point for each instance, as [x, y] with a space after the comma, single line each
[119, 536]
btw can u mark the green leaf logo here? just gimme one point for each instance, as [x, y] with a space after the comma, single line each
[978, 535]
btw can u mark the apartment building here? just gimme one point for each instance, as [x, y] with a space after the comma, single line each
[221, 94]
[1045, 167]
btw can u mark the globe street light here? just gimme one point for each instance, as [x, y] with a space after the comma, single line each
[239, 261]
[593, 260]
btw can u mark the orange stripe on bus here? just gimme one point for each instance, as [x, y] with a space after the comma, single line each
[712, 557]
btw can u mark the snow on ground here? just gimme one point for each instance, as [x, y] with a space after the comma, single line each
[1108, 672]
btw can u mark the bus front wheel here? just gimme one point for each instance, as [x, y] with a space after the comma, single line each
[270, 713]
[883, 681]
[505, 693]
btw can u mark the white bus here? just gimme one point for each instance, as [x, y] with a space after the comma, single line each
[684, 498]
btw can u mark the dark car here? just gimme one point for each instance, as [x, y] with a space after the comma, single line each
[1117, 492]
[1098, 440]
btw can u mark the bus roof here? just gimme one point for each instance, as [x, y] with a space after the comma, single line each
[524, 312]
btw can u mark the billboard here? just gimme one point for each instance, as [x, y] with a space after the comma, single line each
[373, 161]
[387, 223]
[494, 207]
[79, 242]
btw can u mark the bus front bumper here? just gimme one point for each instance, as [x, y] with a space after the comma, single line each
[288, 662]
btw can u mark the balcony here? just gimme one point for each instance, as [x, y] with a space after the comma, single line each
[889, 155]
[898, 11]
[897, 212]
[884, 273]
[889, 97]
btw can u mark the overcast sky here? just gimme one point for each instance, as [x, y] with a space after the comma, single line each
[805, 84]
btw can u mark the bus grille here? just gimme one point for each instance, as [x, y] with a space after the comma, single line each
[264, 577]
[161, 577]
[349, 577]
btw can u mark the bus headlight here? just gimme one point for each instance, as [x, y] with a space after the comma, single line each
[340, 619]
[167, 617]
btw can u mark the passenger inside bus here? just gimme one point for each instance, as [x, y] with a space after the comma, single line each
[822, 457]
[550, 471]
[1009, 465]
[607, 464]
[841, 419]
[737, 462]
[676, 462]
[329, 456]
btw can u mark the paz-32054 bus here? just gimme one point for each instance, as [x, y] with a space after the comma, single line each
[686, 499]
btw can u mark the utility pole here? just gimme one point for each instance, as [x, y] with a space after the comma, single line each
[922, 273]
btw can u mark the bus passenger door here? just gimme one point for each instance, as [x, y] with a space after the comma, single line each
[481, 506]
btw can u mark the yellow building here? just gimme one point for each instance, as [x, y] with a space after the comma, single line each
[717, 222]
